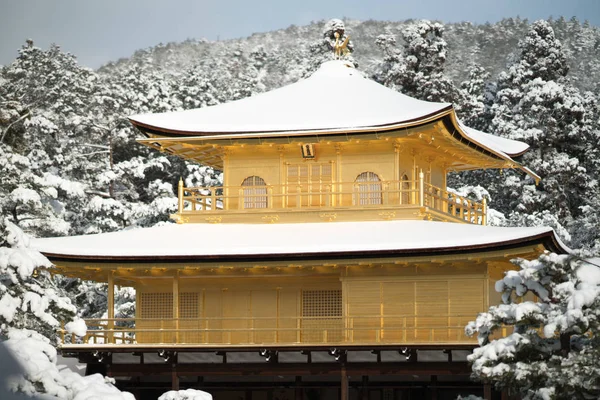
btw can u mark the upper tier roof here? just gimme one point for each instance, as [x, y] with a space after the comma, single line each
[336, 98]
[206, 242]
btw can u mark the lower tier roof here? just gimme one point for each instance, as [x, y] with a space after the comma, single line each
[180, 242]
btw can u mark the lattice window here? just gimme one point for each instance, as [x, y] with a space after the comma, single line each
[156, 313]
[255, 192]
[188, 305]
[322, 303]
[156, 305]
[322, 316]
[369, 189]
[160, 305]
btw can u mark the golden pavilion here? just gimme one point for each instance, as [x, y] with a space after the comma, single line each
[333, 262]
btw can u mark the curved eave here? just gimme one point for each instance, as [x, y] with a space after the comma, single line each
[447, 115]
[456, 131]
[547, 239]
[149, 130]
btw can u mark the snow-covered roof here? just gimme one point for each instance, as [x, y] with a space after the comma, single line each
[506, 146]
[211, 241]
[336, 98]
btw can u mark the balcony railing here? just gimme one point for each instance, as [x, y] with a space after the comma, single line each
[332, 196]
[431, 329]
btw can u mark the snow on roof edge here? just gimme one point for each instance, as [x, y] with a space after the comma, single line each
[175, 241]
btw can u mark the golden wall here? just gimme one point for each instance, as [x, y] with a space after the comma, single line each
[386, 303]
[390, 161]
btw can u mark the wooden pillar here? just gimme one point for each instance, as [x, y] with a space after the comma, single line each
[174, 378]
[364, 390]
[484, 211]
[180, 196]
[421, 189]
[487, 392]
[176, 307]
[434, 391]
[505, 395]
[299, 391]
[338, 172]
[111, 307]
[344, 395]
[248, 395]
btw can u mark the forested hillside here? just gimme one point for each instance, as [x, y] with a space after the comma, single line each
[69, 163]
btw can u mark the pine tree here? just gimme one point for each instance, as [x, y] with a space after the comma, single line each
[28, 296]
[535, 103]
[553, 350]
[417, 71]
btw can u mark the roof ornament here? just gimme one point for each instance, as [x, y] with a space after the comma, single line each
[340, 50]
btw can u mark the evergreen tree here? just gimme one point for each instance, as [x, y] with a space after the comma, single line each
[28, 297]
[418, 71]
[553, 350]
[535, 103]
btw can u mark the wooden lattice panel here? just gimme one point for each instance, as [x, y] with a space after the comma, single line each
[431, 298]
[189, 315]
[156, 312]
[364, 305]
[321, 316]
[311, 182]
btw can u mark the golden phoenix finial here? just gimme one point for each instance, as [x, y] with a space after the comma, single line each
[340, 49]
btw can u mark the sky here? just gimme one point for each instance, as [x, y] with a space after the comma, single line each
[99, 31]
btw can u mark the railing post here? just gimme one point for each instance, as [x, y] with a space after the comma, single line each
[421, 189]
[386, 192]
[180, 196]
[298, 196]
[484, 211]
[270, 197]
[213, 199]
[111, 307]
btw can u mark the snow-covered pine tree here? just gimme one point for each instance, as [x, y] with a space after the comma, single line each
[474, 98]
[31, 309]
[418, 70]
[552, 306]
[28, 297]
[536, 103]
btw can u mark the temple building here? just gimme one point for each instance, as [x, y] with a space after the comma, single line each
[332, 263]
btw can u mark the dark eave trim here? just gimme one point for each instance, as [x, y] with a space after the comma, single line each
[547, 239]
[147, 129]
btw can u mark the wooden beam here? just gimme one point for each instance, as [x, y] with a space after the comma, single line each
[299, 391]
[487, 392]
[111, 306]
[285, 369]
[176, 305]
[344, 395]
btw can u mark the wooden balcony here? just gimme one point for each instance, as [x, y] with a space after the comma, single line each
[317, 201]
[282, 331]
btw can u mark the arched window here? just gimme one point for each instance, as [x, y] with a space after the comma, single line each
[405, 188]
[369, 189]
[255, 192]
